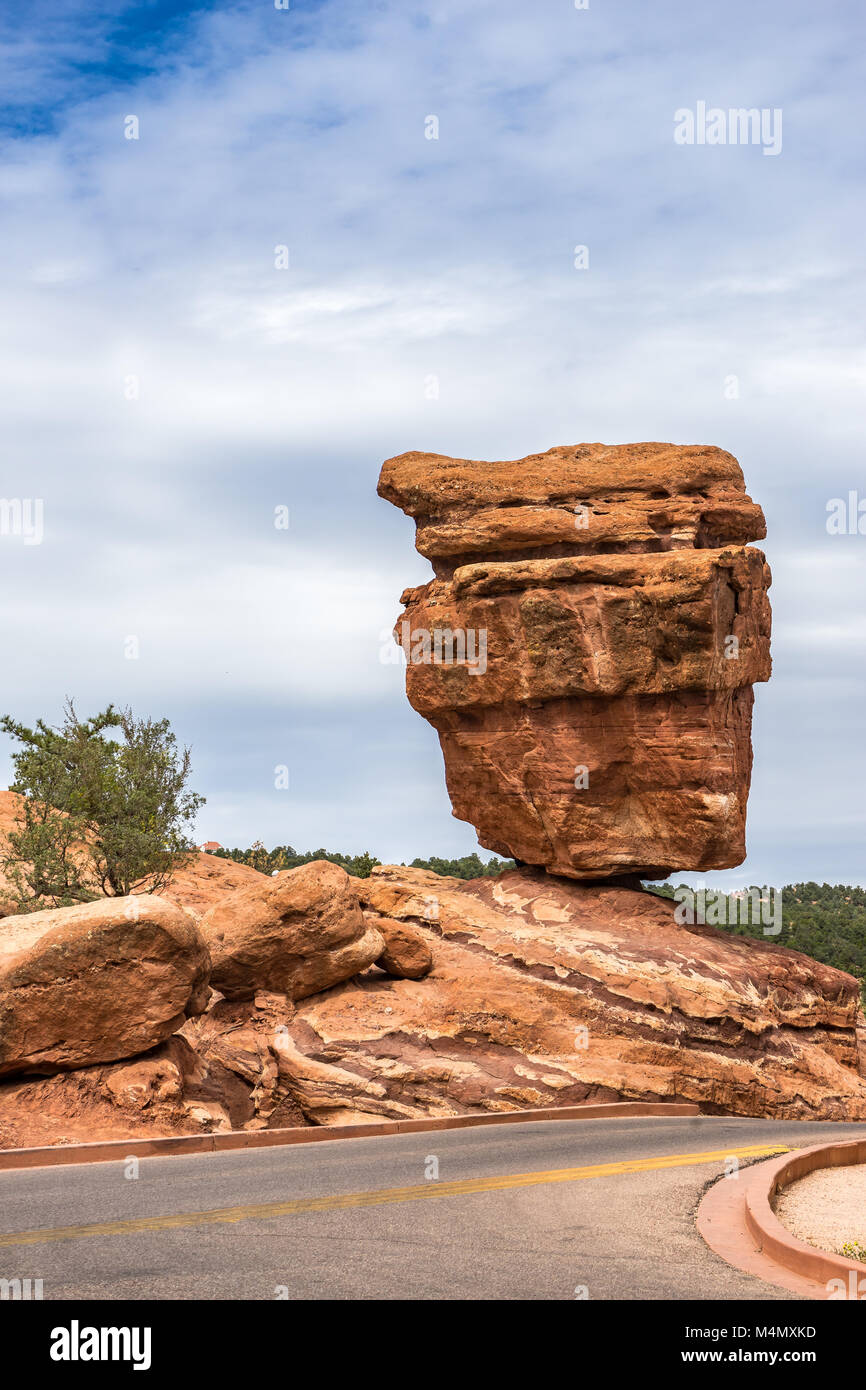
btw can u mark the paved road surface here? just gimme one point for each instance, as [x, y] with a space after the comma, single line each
[514, 1214]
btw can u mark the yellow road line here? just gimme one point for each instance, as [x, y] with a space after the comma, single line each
[266, 1210]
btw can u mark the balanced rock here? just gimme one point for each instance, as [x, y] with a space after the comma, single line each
[96, 982]
[587, 650]
[294, 934]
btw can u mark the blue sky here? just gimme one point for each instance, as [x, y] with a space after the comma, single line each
[146, 268]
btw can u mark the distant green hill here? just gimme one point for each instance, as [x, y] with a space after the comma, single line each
[825, 921]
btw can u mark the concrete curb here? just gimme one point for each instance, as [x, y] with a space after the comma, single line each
[737, 1221]
[772, 1237]
[120, 1149]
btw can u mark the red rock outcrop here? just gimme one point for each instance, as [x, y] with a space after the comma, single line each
[549, 992]
[97, 982]
[171, 1090]
[201, 880]
[206, 879]
[587, 650]
[293, 934]
[542, 992]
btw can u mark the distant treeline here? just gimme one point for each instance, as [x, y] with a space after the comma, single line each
[268, 861]
[823, 920]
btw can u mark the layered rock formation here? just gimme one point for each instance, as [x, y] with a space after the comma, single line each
[547, 992]
[93, 983]
[169, 1090]
[542, 992]
[587, 650]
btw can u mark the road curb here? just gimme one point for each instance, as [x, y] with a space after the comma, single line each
[768, 1231]
[165, 1147]
[736, 1219]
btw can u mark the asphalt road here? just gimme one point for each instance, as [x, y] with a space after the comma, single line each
[345, 1226]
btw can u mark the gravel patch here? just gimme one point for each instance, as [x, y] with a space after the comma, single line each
[827, 1208]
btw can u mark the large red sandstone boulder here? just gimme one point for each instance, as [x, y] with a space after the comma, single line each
[587, 650]
[294, 934]
[97, 982]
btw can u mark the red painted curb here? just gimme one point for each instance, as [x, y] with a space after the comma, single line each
[736, 1220]
[120, 1149]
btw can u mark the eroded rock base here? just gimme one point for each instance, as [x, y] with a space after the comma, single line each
[541, 993]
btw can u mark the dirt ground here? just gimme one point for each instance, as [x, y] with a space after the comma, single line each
[827, 1208]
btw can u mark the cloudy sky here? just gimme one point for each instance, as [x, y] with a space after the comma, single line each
[166, 386]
